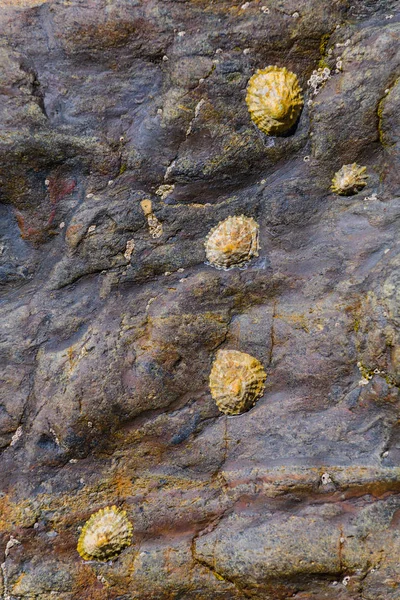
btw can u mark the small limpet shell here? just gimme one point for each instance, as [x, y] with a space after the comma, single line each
[105, 534]
[232, 243]
[274, 99]
[349, 180]
[236, 381]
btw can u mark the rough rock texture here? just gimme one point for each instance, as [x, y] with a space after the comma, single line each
[108, 332]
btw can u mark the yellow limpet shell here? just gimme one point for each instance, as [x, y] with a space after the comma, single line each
[232, 243]
[350, 179]
[274, 99]
[105, 534]
[236, 381]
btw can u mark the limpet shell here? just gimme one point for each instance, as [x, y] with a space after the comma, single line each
[105, 534]
[349, 180]
[236, 381]
[274, 99]
[232, 243]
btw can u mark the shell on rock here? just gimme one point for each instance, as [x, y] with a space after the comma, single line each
[350, 179]
[274, 99]
[232, 243]
[236, 381]
[105, 534]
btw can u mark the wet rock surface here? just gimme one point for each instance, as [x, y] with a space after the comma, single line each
[110, 318]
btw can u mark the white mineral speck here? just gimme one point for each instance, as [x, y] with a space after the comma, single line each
[17, 436]
[325, 479]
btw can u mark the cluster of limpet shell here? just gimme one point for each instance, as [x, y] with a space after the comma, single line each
[232, 243]
[349, 180]
[274, 99]
[105, 534]
[236, 381]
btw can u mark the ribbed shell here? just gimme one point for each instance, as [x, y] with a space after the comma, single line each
[232, 243]
[349, 180]
[236, 381]
[274, 99]
[105, 534]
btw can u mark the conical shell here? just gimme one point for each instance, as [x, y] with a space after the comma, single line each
[232, 243]
[105, 534]
[274, 99]
[349, 180]
[236, 381]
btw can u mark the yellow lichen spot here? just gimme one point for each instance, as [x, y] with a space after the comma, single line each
[146, 207]
[236, 381]
[274, 99]
[232, 243]
[349, 180]
[105, 534]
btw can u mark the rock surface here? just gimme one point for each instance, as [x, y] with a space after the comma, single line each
[110, 318]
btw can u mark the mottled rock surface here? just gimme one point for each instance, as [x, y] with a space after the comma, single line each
[110, 318]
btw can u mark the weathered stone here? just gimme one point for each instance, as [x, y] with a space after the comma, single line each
[108, 333]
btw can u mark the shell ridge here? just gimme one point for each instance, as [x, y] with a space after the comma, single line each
[229, 367]
[274, 99]
[349, 180]
[105, 534]
[232, 243]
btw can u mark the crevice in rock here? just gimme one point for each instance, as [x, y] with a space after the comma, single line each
[272, 341]
[379, 111]
[212, 569]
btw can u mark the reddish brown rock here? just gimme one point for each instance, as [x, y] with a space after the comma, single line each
[105, 356]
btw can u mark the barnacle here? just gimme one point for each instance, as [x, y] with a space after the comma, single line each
[105, 534]
[318, 78]
[232, 243]
[274, 99]
[349, 180]
[155, 227]
[236, 381]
